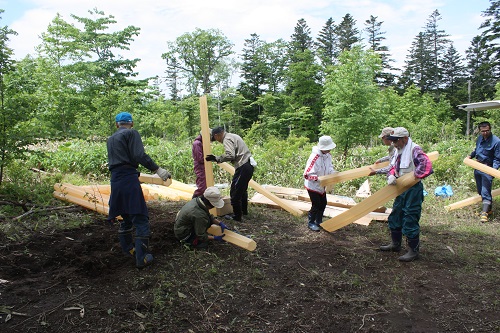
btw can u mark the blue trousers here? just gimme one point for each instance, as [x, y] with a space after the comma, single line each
[406, 211]
[139, 221]
[483, 185]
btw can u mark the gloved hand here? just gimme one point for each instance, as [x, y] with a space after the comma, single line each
[223, 226]
[391, 180]
[164, 174]
[210, 158]
[219, 238]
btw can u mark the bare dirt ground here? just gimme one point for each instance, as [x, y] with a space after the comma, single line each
[296, 281]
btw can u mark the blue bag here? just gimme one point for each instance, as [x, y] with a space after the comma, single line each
[444, 191]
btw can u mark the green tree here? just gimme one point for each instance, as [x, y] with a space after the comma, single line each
[480, 68]
[350, 93]
[375, 39]
[347, 33]
[438, 43]
[199, 55]
[7, 120]
[326, 44]
[418, 64]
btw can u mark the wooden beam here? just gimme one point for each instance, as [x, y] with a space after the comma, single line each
[99, 207]
[177, 185]
[154, 179]
[360, 172]
[233, 238]
[205, 134]
[482, 167]
[330, 211]
[470, 201]
[253, 184]
[377, 199]
[163, 192]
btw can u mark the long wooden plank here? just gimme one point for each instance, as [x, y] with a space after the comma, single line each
[360, 172]
[301, 194]
[377, 199]
[177, 185]
[482, 167]
[263, 191]
[330, 211]
[163, 192]
[99, 207]
[233, 238]
[205, 134]
[469, 201]
[154, 179]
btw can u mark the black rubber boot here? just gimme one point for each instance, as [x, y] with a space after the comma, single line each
[395, 245]
[142, 257]
[413, 249]
[126, 242]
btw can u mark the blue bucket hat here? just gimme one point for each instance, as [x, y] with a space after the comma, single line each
[123, 117]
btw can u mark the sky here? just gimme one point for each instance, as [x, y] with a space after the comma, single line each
[163, 21]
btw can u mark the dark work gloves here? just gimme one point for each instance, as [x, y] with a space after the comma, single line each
[210, 158]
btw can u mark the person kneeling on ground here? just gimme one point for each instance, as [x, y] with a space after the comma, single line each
[194, 219]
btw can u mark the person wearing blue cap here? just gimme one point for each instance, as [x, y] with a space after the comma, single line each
[125, 153]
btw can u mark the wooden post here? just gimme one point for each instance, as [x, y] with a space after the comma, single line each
[233, 238]
[263, 191]
[205, 134]
[360, 172]
[154, 179]
[372, 202]
[482, 167]
[469, 201]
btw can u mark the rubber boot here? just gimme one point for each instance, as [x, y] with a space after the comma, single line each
[395, 245]
[413, 249]
[311, 223]
[319, 219]
[142, 257]
[485, 212]
[127, 242]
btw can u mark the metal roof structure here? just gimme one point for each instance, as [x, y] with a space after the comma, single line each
[480, 106]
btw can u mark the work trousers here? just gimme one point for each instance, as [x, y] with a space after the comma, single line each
[406, 211]
[483, 185]
[318, 205]
[139, 221]
[239, 187]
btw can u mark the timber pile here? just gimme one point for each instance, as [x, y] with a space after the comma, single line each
[299, 199]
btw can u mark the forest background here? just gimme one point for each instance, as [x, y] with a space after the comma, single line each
[58, 105]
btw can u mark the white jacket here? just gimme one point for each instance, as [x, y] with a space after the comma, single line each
[318, 164]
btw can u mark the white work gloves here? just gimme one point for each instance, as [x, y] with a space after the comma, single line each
[164, 174]
[391, 180]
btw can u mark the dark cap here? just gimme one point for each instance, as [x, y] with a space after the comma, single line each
[216, 130]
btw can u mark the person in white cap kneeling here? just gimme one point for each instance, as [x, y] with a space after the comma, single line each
[319, 164]
[194, 219]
